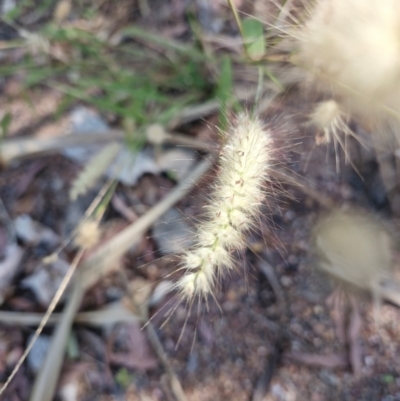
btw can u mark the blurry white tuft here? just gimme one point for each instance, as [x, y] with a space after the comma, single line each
[354, 246]
[88, 234]
[352, 48]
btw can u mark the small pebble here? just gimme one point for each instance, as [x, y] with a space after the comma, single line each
[172, 234]
[228, 306]
[289, 216]
[291, 263]
[232, 295]
[369, 360]
[262, 351]
[192, 363]
[318, 310]
[317, 342]
[38, 352]
[286, 281]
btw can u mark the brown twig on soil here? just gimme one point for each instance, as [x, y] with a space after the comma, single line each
[115, 313]
[175, 384]
[13, 149]
[192, 113]
[264, 380]
[21, 148]
[270, 275]
[156, 134]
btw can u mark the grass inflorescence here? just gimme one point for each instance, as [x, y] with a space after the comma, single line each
[234, 205]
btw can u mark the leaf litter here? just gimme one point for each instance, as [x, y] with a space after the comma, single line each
[233, 349]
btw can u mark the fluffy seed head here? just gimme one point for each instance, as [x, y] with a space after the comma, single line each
[234, 203]
[328, 118]
[88, 234]
[352, 47]
[331, 124]
[192, 284]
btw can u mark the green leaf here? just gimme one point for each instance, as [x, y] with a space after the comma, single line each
[224, 90]
[5, 124]
[274, 79]
[124, 378]
[73, 347]
[38, 75]
[224, 87]
[253, 37]
[144, 34]
[388, 378]
[65, 104]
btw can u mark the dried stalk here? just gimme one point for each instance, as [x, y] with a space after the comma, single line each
[13, 149]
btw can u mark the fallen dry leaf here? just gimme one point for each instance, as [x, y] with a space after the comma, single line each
[137, 354]
[120, 206]
[23, 183]
[46, 279]
[72, 381]
[32, 232]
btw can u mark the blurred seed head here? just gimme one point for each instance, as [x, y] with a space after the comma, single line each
[328, 119]
[353, 246]
[351, 48]
[88, 234]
